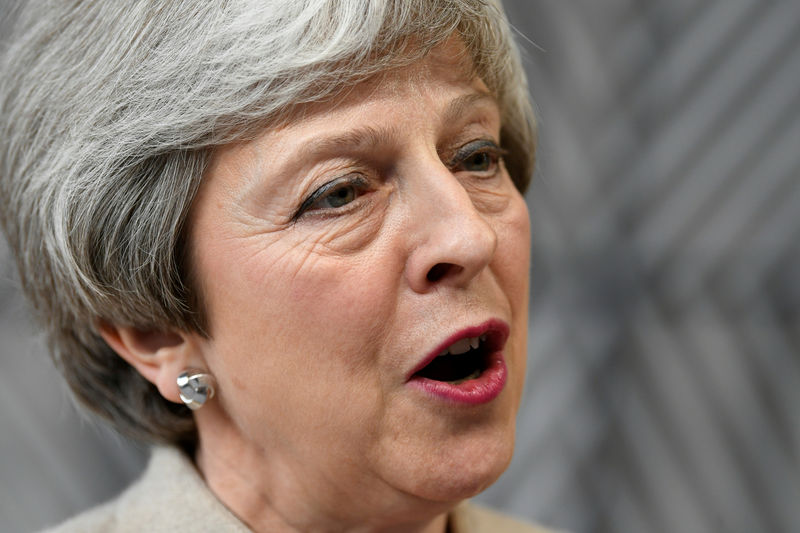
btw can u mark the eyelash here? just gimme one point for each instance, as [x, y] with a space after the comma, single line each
[328, 190]
[359, 182]
[475, 148]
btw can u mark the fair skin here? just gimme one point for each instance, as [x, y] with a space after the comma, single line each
[322, 304]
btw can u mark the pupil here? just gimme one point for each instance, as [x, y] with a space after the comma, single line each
[480, 161]
[342, 196]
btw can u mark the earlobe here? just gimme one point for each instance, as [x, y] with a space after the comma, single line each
[159, 356]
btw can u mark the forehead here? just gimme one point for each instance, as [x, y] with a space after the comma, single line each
[448, 64]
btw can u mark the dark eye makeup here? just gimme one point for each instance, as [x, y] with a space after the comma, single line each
[334, 194]
[479, 156]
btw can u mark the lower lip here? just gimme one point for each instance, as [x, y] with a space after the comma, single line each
[480, 390]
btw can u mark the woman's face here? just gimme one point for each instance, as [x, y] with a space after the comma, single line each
[337, 256]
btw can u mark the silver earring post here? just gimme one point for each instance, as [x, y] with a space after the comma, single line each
[196, 388]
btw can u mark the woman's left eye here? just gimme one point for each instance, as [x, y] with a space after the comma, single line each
[478, 162]
[478, 156]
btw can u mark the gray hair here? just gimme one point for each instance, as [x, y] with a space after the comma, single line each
[110, 111]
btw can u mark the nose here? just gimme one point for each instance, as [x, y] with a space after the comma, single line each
[450, 241]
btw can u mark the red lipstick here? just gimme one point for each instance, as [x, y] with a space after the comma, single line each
[472, 377]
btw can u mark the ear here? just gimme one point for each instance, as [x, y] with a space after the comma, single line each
[159, 356]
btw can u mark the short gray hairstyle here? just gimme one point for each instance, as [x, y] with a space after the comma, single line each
[110, 111]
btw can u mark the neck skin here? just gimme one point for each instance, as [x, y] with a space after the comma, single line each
[264, 494]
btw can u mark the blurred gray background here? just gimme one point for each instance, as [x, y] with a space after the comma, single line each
[664, 378]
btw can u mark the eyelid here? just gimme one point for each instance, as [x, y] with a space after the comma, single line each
[349, 179]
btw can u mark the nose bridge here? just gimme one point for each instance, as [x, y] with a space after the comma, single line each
[451, 241]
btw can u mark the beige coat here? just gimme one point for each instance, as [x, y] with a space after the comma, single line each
[171, 496]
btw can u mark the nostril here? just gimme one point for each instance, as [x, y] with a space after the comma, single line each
[440, 270]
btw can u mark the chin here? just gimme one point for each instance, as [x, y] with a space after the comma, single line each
[457, 468]
[472, 474]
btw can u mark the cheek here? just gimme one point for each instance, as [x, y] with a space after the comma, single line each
[290, 311]
[300, 334]
[513, 268]
[513, 253]
[340, 306]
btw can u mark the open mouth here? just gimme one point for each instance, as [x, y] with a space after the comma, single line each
[464, 359]
[467, 369]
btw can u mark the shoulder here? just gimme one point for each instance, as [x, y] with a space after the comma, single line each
[98, 519]
[170, 496]
[472, 518]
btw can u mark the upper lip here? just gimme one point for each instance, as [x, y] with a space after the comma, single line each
[496, 332]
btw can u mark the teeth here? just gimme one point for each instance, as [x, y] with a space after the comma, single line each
[459, 347]
[483, 337]
[464, 345]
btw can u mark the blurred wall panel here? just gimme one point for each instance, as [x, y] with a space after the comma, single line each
[664, 380]
[664, 347]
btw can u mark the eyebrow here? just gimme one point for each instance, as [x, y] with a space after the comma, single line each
[366, 138]
[363, 137]
[370, 137]
[459, 106]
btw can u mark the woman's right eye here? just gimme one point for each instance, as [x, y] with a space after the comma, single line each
[341, 195]
[334, 195]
